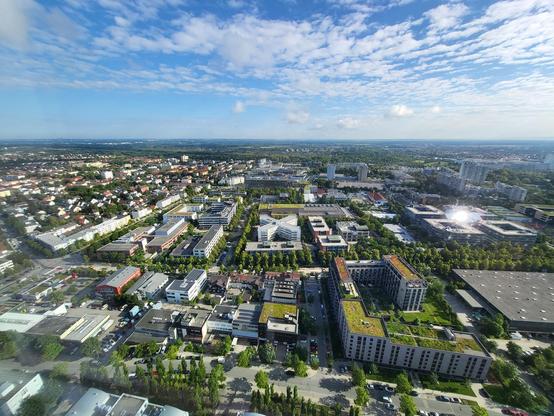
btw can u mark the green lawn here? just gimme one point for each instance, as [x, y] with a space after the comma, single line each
[387, 375]
[448, 386]
[430, 314]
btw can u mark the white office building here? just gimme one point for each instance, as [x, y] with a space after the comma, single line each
[187, 289]
[15, 388]
[285, 228]
[207, 243]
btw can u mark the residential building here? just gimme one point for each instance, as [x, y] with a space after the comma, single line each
[501, 230]
[473, 172]
[514, 193]
[362, 172]
[148, 285]
[15, 388]
[377, 199]
[140, 213]
[352, 231]
[331, 172]
[113, 285]
[208, 242]
[164, 203]
[187, 289]
[6, 265]
[286, 228]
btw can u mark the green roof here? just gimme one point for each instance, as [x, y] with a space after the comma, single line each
[359, 322]
[271, 206]
[277, 311]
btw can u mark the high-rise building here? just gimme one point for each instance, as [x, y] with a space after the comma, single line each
[331, 172]
[362, 172]
[473, 172]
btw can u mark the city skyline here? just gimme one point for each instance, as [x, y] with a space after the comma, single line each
[277, 70]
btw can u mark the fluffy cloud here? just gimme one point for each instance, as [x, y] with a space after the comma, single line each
[14, 23]
[446, 16]
[297, 116]
[239, 107]
[400, 110]
[435, 109]
[348, 123]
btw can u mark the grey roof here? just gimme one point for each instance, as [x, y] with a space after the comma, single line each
[519, 296]
[148, 282]
[53, 325]
[119, 277]
[208, 237]
[159, 320]
[187, 282]
[90, 401]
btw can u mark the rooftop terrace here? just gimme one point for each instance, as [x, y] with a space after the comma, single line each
[359, 321]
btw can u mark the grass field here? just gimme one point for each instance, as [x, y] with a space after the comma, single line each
[448, 386]
[385, 374]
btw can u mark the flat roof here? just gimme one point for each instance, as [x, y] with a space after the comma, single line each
[273, 246]
[452, 226]
[207, 238]
[508, 228]
[276, 311]
[519, 296]
[88, 327]
[148, 282]
[402, 267]
[359, 322]
[54, 325]
[469, 299]
[88, 403]
[128, 405]
[120, 277]
[156, 320]
[187, 282]
[19, 322]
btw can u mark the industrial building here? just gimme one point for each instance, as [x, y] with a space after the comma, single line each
[525, 299]
[148, 285]
[113, 285]
[305, 210]
[245, 324]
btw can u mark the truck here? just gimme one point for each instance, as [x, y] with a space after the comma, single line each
[134, 311]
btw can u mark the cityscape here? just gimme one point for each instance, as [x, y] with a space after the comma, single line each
[276, 208]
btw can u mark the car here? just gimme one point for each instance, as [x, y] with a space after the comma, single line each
[414, 393]
[455, 400]
[389, 406]
[443, 399]
[369, 386]
[378, 386]
[387, 399]
[389, 389]
[512, 411]
[484, 393]
[290, 373]
[422, 413]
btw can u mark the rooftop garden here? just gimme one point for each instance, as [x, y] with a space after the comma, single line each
[402, 268]
[359, 322]
[270, 206]
[276, 310]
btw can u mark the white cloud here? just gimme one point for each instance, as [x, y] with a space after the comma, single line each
[14, 22]
[400, 110]
[446, 16]
[435, 109]
[297, 116]
[239, 107]
[348, 123]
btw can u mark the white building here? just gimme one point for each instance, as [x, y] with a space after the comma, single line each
[140, 213]
[514, 193]
[107, 174]
[167, 201]
[148, 285]
[15, 388]
[285, 228]
[207, 243]
[473, 172]
[187, 289]
[352, 231]
[5, 265]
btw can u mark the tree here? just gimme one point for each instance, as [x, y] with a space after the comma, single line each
[403, 384]
[223, 347]
[515, 352]
[358, 376]
[59, 371]
[33, 406]
[477, 410]
[266, 352]
[245, 357]
[362, 396]
[172, 352]
[8, 346]
[57, 296]
[262, 379]
[407, 405]
[301, 369]
[91, 347]
[49, 347]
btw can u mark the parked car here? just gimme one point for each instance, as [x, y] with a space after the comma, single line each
[455, 400]
[422, 413]
[443, 399]
[433, 414]
[414, 393]
[389, 406]
[387, 399]
[389, 389]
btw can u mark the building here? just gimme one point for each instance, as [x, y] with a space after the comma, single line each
[193, 325]
[501, 230]
[393, 274]
[166, 235]
[113, 285]
[417, 213]
[278, 322]
[502, 213]
[141, 213]
[334, 243]
[86, 326]
[148, 285]
[96, 402]
[221, 319]
[318, 227]
[514, 193]
[19, 322]
[442, 351]
[449, 230]
[542, 213]
[281, 291]
[107, 175]
[377, 199]
[158, 323]
[352, 231]
[15, 387]
[362, 172]
[331, 172]
[305, 210]
[164, 203]
[219, 213]
[208, 242]
[186, 212]
[451, 180]
[129, 243]
[6, 265]
[286, 228]
[473, 172]
[272, 246]
[187, 289]
[245, 324]
[525, 299]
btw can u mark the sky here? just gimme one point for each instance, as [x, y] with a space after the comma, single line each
[277, 69]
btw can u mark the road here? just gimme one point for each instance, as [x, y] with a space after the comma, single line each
[317, 310]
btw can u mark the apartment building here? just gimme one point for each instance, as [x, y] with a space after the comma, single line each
[187, 289]
[352, 231]
[286, 228]
[207, 243]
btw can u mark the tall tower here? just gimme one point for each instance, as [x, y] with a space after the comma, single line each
[362, 172]
[473, 172]
[331, 171]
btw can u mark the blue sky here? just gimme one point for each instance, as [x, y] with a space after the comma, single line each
[277, 69]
